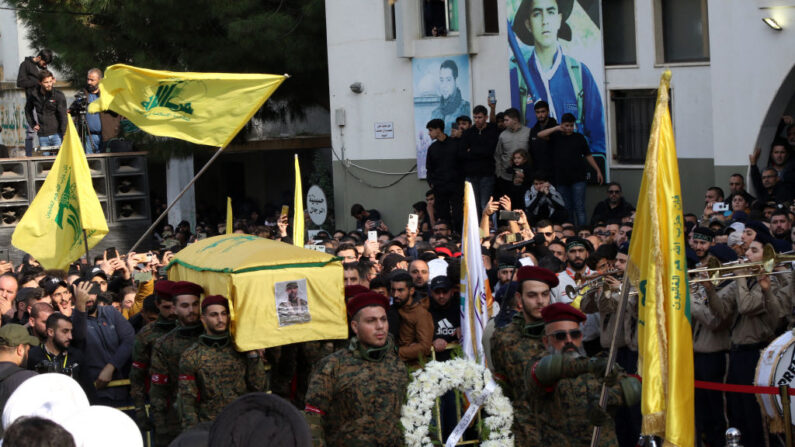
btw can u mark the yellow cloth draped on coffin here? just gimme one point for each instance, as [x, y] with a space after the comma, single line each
[279, 293]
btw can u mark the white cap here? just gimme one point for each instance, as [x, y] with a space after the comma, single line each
[100, 426]
[437, 267]
[53, 396]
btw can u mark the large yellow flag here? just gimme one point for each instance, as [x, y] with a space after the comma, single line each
[203, 108]
[229, 216]
[298, 208]
[52, 228]
[657, 267]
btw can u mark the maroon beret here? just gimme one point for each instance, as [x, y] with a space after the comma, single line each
[561, 312]
[363, 300]
[351, 291]
[215, 299]
[163, 289]
[186, 288]
[532, 273]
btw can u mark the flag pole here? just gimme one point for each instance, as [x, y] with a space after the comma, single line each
[176, 199]
[85, 241]
[611, 358]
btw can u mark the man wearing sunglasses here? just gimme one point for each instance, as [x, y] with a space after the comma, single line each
[614, 207]
[562, 384]
[517, 346]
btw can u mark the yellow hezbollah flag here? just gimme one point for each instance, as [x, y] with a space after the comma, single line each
[278, 293]
[52, 228]
[229, 216]
[657, 267]
[298, 208]
[203, 108]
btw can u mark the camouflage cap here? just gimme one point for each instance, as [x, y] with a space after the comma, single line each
[291, 285]
[15, 335]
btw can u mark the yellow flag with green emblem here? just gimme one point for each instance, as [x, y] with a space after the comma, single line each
[52, 228]
[203, 108]
[658, 268]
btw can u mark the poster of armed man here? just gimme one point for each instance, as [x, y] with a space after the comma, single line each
[556, 56]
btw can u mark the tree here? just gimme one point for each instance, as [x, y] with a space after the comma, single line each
[248, 36]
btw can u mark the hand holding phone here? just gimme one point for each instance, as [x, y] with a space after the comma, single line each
[372, 236]
[414, 221]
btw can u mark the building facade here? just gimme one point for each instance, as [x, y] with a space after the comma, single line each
[733, 79]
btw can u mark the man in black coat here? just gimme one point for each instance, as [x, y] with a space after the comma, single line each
[444, 175]
[28, 78]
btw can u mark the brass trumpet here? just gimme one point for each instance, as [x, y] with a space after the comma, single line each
[592, 284]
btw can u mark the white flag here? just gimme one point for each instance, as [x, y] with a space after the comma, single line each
[476, 299]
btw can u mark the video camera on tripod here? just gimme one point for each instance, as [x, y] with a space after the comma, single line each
[78, 110]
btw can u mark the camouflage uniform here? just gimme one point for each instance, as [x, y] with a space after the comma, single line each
[298, 361]
[141, 357]
[356, 401]
[513, 348]
[567, 403]
[211, 375]
[164, 369]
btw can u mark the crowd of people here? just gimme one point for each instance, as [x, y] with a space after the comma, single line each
[554, 274]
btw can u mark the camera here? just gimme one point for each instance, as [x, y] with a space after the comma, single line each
[80, 104]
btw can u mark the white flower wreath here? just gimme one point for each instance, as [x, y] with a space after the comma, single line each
[439, 377]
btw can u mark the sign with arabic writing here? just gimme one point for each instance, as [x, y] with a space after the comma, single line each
[316, 205]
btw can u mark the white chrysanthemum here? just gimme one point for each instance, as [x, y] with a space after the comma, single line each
[437, 378]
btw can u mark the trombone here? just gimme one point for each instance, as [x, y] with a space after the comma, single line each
[770, 259]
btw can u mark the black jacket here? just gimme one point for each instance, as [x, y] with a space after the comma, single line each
[11, 377]
[51, 109]
[476, 155]
[604, 213]
[28, 76]
[442, 165]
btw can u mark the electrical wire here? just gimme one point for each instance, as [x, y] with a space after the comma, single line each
[363, 181]
[39, 11]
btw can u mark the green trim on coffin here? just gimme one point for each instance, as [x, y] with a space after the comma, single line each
[252, 269]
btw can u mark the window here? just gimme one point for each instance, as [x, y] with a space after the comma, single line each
[685, 31]
[491, 21]
[618, 21]
[440, 17]
[389, 20]
[634, 113]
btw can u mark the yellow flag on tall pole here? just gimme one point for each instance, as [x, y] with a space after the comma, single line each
[658, 268]
[203, 108]
[52, 228]
[298, 208]
[229, 216]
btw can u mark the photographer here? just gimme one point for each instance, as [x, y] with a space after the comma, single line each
[99, 127]
[57, 354]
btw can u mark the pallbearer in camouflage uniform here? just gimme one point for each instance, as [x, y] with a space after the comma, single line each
[355, 394]
[166, 353]
[566, 384]
[518, 345]
[212, 373]
[142, 350]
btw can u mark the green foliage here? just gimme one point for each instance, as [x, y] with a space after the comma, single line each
[244, 36]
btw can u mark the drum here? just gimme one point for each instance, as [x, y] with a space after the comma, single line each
[776, 367]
